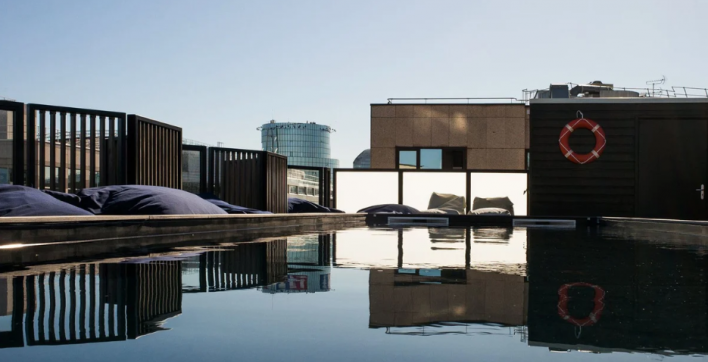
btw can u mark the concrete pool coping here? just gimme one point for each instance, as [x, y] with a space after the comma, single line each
[31, 240]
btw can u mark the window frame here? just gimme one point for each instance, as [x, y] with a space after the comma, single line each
[443, 149]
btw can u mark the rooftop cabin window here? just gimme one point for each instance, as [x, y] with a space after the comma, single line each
[431, 158]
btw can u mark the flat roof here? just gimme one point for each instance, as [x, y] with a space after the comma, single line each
[591, 100]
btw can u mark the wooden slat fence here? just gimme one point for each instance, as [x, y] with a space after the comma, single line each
[154, 153]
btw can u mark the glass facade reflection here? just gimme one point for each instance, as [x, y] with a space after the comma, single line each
[305, 144]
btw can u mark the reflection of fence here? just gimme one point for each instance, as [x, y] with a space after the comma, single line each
[245, 266]
[94, 303]
[154, 153]
[256, 179]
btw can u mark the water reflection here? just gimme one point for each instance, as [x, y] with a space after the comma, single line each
[555, 290]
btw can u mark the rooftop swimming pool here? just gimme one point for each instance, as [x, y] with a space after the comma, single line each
[413, 294]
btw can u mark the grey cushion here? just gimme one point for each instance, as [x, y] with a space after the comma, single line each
[490, 211]
[447, 202]
[493, 202]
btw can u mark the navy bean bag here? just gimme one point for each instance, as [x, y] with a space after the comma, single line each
[231, 209]
[389, 209]
[18, 200]
[300, 206]
[140, 200]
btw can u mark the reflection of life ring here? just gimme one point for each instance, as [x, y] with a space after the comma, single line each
[585, 123]
[593, 317]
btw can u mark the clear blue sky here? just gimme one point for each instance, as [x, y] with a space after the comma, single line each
[219, 69]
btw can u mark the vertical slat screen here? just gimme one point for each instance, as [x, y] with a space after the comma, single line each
[255, 179]
[76, 166]
[154, 153]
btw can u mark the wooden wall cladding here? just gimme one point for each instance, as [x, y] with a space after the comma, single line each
[605, 187]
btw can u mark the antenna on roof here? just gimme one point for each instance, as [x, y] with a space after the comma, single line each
[655, 82]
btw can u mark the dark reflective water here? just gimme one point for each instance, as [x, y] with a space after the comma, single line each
[371, 294]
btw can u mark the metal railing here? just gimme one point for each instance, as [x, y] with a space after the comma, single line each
[469, 100]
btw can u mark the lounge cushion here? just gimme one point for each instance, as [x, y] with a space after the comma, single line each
[300, 206]
[493, 202]
[18, 200]
[490, 211]
[389, 209]
[142, 200]
[229, 208]
[451, 204]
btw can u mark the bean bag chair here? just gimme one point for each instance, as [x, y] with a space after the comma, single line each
[140, 200]
[446, 204]
[493, 202]
[18, 200]
[389, 209]
[231, 209]
[300, 206]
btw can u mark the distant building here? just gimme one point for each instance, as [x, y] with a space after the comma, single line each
[305, 144]
[363, 160]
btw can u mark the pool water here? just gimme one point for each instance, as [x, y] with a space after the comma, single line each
[370, 294]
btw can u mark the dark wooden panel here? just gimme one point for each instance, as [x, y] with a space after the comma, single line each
[560, 187]
[608, 186]
[672, 165]
[254, 179]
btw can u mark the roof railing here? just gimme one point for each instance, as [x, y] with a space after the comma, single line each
[425, 100]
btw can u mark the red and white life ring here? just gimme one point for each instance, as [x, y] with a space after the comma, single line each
[600, 141]
[593, 317]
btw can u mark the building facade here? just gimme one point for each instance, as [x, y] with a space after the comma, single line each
[449, 136]
[305, 144]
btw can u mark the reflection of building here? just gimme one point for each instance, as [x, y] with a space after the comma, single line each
[363, 160]
[623, 295]
[417, 297]
[303, 279]
[309, 265]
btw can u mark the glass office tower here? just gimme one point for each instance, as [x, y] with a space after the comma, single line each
[305, 144]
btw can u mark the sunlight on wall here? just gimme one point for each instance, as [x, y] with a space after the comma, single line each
[357, 190]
